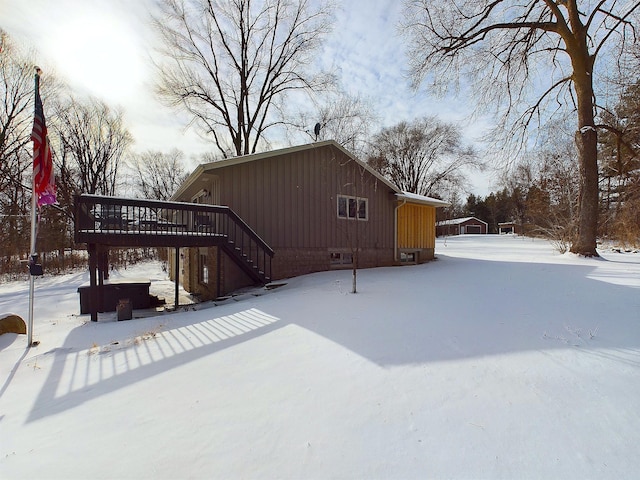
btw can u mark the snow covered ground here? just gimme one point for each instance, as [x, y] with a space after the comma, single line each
[502, 359]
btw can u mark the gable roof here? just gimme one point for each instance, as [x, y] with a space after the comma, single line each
[421, 199]
[205, 168]
[458, 221]
[210, 167]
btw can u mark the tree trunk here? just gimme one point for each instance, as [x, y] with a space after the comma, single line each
[586, 138]
[354, 281]
[585, 241]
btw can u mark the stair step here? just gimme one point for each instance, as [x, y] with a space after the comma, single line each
[251, 263]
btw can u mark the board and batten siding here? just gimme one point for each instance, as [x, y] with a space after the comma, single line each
[416, 226]
[291, 200]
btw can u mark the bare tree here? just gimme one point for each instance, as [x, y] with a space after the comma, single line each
[91, 141]
[16, 95]
[552, 198]
[345, 118]
[16, 154]
[423, 157]
[158, 175]
[353, 211]
[508, 47]
[231, 64]
[16, 115]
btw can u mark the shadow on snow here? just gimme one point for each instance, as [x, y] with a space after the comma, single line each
[447, 310]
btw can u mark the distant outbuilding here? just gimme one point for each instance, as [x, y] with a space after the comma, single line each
[509, 227]
[461, 226]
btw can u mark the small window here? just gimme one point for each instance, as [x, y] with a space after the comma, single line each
[339, 258]
[353, 207]
[408, 257]
[362, 209]
[201, 197]
[203, 270]
[342, 207]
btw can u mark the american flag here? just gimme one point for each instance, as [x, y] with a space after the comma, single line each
[43, 178]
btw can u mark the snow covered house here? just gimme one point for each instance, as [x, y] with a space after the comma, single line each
[314, 207]
[461, 226]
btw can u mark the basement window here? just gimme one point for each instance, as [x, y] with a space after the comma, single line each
[340, 258]
[408, 257]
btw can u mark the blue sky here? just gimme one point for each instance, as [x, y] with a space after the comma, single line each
[102, 47]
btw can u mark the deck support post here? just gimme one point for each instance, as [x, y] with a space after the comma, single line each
[104, 263]
[218, 273]
[177, 270]
[93, 287]
[100, 256]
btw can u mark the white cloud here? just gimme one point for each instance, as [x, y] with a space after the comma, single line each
[102, 47]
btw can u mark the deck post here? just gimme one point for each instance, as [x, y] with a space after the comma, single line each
[101, 276]
[93, 288]
[104, 259]
[218, 273]
[177, 270]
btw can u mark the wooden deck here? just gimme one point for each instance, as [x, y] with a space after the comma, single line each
[103, 222]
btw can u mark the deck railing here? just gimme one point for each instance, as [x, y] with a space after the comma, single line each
[133, 222]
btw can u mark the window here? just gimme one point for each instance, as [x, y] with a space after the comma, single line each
[408, 257]
[352, 208]
[338, 258]
[201, 197]
[203, 269]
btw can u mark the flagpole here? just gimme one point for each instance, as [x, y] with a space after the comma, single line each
[43, 191]
[32, 249]
[32, 252]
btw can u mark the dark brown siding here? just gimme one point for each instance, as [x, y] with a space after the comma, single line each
[290, 201]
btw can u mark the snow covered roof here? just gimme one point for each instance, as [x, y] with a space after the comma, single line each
[415, 198]
[458, 221]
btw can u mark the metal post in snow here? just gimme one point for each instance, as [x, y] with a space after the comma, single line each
[32, 248]
[32, 252]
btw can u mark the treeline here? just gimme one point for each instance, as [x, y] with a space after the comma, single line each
[541, 192]
[91, 149]
[243, 75]
[90, 146]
